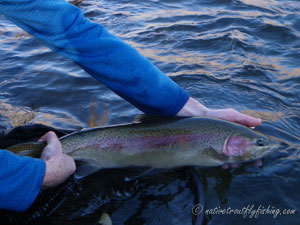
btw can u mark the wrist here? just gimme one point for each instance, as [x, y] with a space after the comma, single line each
[57, 171]
[193, 108]
[49, 178]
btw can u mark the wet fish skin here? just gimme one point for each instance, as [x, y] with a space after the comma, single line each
[162, 143]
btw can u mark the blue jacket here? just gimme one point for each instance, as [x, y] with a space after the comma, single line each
[20, 180]
[63, 28]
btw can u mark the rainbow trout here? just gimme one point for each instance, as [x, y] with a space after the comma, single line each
[162, 143]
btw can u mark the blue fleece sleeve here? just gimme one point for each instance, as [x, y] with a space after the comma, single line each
[20, 180]
[63, 28]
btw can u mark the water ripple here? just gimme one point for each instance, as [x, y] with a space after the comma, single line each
[241, 54]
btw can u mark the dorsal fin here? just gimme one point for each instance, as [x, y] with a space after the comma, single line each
[148, 118]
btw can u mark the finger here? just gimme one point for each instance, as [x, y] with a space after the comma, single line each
[49, 137]
[43, 138]
[71, 164]
[52, 141]
[246, 120]
[53, 145]
[234, 116]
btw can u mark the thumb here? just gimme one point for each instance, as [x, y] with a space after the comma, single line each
[53, 147]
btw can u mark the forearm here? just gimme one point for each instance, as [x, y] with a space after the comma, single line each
[20, 180]
[63, 28]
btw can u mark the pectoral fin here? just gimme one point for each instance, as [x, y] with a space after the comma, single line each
[139, 172]
[216, 155]
[84, 169]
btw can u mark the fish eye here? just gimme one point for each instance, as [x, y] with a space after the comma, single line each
[260, 142]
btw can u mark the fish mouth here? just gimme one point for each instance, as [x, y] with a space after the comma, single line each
[235, 148]
[267, 150]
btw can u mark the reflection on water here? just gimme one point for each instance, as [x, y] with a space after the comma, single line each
[265, 116]
[13, 116]
[240, 54]
[97, 117]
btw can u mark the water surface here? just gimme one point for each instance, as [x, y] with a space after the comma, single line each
[227, 53]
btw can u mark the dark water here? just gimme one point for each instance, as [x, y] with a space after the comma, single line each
[239, 54]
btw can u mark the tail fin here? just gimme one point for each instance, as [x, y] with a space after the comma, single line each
[31, 149]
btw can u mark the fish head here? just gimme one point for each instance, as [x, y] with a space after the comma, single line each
[248, 146]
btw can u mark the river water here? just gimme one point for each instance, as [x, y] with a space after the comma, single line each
[242, 54]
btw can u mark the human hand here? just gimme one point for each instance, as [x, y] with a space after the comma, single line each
[59, 166]
[195, 108]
